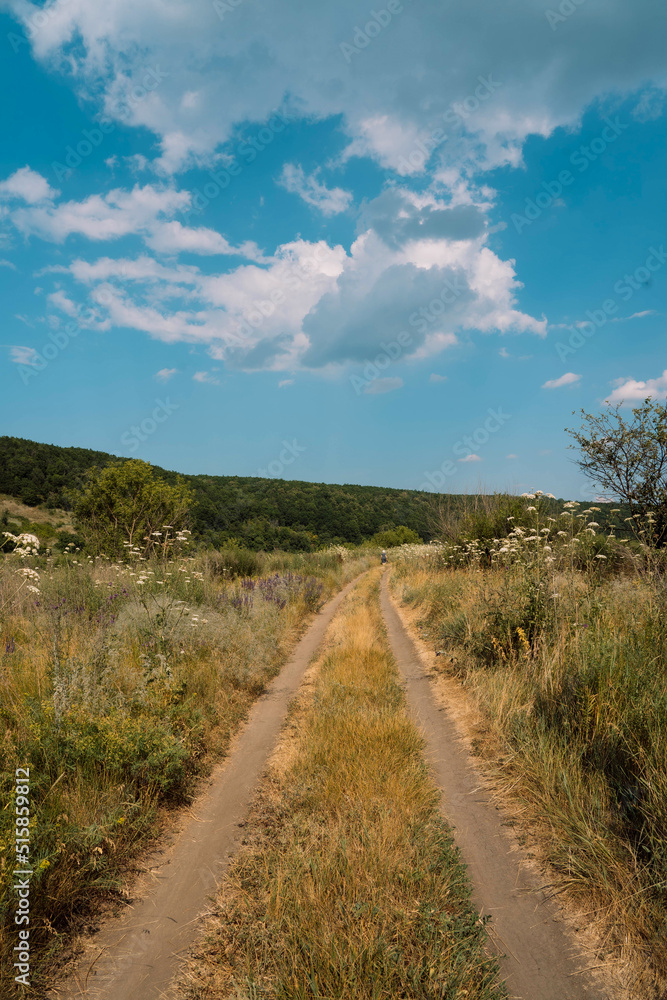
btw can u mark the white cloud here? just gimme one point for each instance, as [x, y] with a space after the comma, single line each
[417, 267]
[329, 201]
[27, 185]
[642, 314]
[437, 378]
[199, 80]
[118, 213]
[471, 458]
[8, 263]
[165, 374]
[511, 456]
[382, 385]
[24, 355]
[629, 390]
[206, 377]
[284, 382]
[556, 383]
[173, 238]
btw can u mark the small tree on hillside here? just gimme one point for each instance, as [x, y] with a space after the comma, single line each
[628, 458]
[126, 503]
[390, 538]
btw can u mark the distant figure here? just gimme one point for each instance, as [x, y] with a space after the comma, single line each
[383, 557]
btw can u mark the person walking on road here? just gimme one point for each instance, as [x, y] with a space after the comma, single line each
[383, 557]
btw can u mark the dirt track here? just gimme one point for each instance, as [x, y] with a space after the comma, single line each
[542, 960]
[137, 955]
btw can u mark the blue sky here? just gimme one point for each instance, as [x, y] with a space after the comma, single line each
[395, 245]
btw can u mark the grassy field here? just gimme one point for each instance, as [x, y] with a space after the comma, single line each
[560, 638]
[120, 685]
[349, 886]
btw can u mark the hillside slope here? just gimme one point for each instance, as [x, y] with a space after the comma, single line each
[260, 513]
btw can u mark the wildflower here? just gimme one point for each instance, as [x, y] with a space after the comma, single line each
[600, 556]
[523, 639]
[593, 524]
[531, 509]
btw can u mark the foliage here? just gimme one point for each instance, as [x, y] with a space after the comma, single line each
[391, 537]
[628, 458]
[125, 504]
[257, 513]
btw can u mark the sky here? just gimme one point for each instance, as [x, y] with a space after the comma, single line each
[400, 244]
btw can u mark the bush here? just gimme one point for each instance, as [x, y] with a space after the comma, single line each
[234, 561]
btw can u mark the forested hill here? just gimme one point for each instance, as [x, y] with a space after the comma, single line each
[260, 513]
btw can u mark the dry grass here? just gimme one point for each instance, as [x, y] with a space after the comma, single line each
[574, 727]
[350, 886]
[119, 695]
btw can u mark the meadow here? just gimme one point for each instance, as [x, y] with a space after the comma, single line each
[121, 683]
[558, 634]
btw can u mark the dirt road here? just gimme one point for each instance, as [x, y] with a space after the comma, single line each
[137, 955]
[542, 961]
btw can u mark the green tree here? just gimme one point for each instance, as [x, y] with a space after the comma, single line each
[628, 458]
[391, 537]
[126, 503]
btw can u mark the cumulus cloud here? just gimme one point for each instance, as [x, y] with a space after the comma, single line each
[329, 201]
[165, 374]
[556, 383]
[486, 82]
[308, 304]
[27, 185]
[630, 390]
[101, 217]
[471, 458]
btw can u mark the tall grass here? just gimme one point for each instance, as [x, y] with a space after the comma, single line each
[565, 654]
[120, 684]
[351, 887]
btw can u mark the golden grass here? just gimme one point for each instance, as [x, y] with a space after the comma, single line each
[573, 735]
[350, 887]
[118, 710]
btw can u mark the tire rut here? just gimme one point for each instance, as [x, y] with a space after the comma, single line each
[139, 954]
[539, 958]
